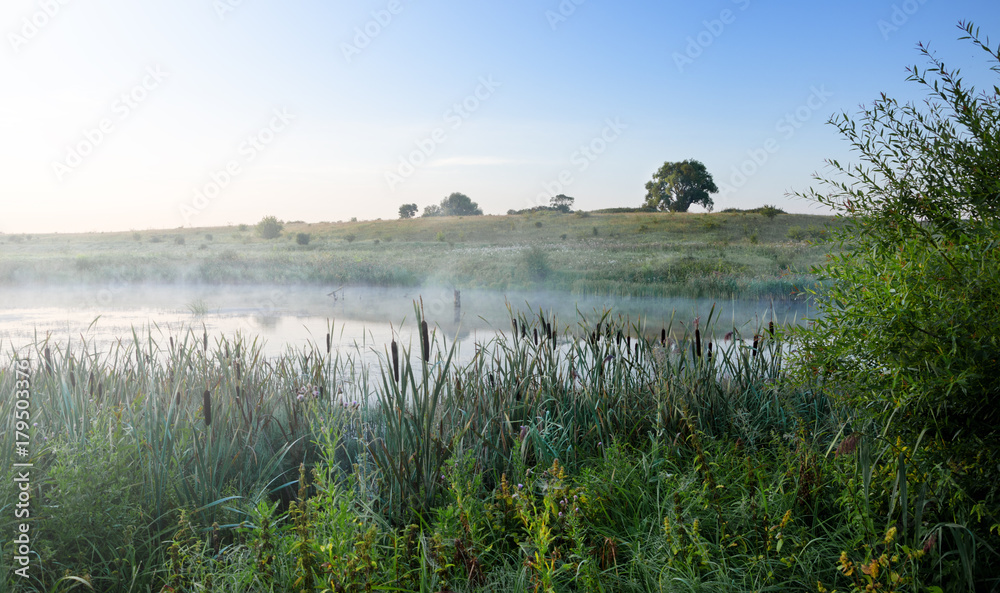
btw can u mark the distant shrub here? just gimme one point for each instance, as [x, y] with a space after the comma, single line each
[536, 263]
[269, 227]
[208, 236]
[582, 213]
[179, 240]
[155, 239]
[440, 236]
[796, 233]
[137, 236]
[243, 228]
[563, 236]
[354, 219]
[350, 237]
[538, 224]
[302, 238]
[770, 211]
[595, 231]
[376, 242]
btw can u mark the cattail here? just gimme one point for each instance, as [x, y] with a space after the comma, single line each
[513, 323]
[90, 384]
[207, 407]
[628, 342]
[710, 351]
[535, 332]
[328, 342]
[48, 360]
[663, 337]
[637, 348]
[697, 342]
[770, 328]
[395, 361]
[177, 399]
[238, 372]
[204, 340]
[171, 342]
[756, 340]
[524, 331]
[425, 342]
[72, 379]
[618, 338]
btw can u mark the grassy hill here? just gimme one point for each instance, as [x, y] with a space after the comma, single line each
[639, 254]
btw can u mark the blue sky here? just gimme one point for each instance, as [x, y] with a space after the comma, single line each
[121, 115]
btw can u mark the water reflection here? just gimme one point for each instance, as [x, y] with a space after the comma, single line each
[362, 319]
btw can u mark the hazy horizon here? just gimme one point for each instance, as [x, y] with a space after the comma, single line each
[122, 117]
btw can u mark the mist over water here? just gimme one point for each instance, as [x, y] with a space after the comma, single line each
[359, 318]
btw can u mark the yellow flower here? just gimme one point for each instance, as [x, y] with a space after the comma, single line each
[890, 535]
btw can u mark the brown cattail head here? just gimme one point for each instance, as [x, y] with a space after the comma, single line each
[204, 340]
[663, 336]
[697, 341]
[770, 328]
[513, 323]
[328, 342]
[238, 372]
[48, 360]
[710, 351]
[207, 407]
[395, 361]
[177, 399]
[425, 342]
[756, 342]
[848, 445]
[171, 342]
[535, 332]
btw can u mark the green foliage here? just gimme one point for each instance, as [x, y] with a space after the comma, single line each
[269, 227]
[911, 322]
[562, 203]
[678, 185]
[407, 210]
[535, 262]
[456, 204]
[302, 238]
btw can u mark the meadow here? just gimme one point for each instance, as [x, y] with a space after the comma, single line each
[596, 454]
[636, 253]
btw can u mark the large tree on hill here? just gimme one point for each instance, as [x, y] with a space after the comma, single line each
[457, 204]
[407, 210]
[675, 186]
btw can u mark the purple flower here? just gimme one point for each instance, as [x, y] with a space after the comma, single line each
[519, 486]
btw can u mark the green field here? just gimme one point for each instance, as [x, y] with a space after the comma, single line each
[637, 254]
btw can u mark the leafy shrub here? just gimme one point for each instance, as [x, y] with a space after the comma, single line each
[302, 238]
[179, 240]
[795, 233]
[137, 236]
[910, 324]
[536, 263]
[350, 237]
[156, 239]
[269, 227]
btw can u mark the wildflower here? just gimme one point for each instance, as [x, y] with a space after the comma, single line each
[519, 486]
[890, 535]
[300, 397]
[560, 513]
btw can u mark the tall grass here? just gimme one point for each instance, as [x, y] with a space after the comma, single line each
[601, 454]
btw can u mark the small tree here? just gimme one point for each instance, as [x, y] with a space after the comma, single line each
[562, 203]
[910, 331]
[458, 204]
[407, 210]
[676, 186]
[432, 210]
[270, 227]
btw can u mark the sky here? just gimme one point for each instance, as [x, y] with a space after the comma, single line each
[119, 115]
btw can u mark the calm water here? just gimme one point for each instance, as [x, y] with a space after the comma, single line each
[364, 319]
